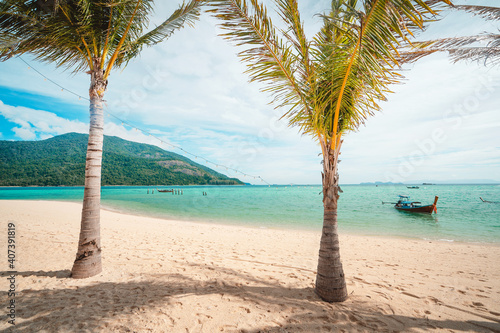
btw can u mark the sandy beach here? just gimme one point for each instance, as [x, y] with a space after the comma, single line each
[176, 276]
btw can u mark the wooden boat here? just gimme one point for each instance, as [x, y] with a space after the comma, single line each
[165, 191]
[406, 205]
[412, 187]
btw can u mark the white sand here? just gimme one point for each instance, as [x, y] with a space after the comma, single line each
[174, 276]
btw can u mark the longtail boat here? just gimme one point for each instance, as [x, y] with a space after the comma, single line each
[165, 191]
[406, 205]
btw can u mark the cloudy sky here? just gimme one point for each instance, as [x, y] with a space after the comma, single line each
[190, 91]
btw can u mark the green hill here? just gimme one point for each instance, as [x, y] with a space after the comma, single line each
[61, 161]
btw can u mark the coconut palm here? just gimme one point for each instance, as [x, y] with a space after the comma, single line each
[95, 37]
[484, 47]
[329, 85]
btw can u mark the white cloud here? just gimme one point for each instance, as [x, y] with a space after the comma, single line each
[24, 133]
[35, 124]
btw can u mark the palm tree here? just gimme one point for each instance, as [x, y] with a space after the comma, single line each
[91, 36]
[329, 85]
[484, 47]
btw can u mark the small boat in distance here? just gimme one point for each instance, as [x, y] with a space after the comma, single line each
[406, 205]
[165, 191]
[412, 187]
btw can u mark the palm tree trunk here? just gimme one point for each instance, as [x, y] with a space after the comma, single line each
[330, 280]
[88, 256]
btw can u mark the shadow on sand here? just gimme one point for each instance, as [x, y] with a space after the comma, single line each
[57, 274]
[95, 307]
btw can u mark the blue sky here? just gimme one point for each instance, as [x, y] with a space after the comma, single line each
[190, 91]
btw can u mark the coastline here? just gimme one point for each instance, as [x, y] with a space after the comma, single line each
[462, 216]
[166, 275]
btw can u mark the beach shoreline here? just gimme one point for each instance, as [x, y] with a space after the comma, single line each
[244, 224]
[315, 230]
[176, 276]
[460, 216]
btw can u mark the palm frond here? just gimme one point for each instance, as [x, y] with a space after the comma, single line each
[486, 55]
[131, 15]
[186, 14]
[295, 34]
[269, 59]
[72, 33]
[372, 58]
[486, 12]
[479, 48]
[483, 48]
[333, 83]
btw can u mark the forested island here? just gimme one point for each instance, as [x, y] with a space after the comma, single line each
[60, 161]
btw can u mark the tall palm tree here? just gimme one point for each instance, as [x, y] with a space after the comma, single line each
[95, 37]
[329, 84]
[484, 47]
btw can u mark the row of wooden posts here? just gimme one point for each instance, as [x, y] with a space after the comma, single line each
[174, 191]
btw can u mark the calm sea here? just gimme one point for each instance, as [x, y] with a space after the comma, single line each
[461, 215]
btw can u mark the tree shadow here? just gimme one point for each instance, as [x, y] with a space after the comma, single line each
[65, 273]
[354, 315]
[363, 320]
[112, 306]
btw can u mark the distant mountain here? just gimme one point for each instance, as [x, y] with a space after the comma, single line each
[381, 183]
[61, 161]
[455, 181]
[438, 182]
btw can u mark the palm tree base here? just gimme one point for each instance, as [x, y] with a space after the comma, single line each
[325, 290]
[86, 267]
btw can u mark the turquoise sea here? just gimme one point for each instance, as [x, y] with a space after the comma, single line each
[461, 215]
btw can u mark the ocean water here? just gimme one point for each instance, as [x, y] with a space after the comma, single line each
[461, 215]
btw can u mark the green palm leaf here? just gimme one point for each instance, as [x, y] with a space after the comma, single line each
[185, 14]
[72, 33]
[331, 84]
[269, 58]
